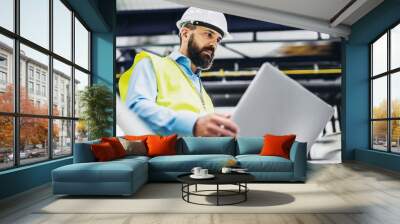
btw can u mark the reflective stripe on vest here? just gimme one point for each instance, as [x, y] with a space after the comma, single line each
[174, 89]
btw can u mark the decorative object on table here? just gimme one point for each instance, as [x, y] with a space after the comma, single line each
[200, 173]
[231, 163]
[227, 167]
[196, 170]
[226, 170]
[96, 102]
[237, 170]
[203, 176]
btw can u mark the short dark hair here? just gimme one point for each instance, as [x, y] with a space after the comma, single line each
[190, 27]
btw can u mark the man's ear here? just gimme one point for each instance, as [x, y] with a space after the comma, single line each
[184, 33]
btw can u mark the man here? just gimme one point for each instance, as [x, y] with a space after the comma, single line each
[167, 92]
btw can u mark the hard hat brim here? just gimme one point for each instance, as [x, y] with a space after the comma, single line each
[225, 35]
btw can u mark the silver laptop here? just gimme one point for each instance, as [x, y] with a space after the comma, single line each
[276, 104]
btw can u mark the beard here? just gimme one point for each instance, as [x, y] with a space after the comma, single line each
[199, 56]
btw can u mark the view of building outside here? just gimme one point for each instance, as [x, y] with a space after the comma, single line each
[381, 76]
[35, 116]
[34, 99]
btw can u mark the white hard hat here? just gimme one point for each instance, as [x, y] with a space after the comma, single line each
[207, 18]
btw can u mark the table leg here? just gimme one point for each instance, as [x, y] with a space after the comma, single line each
[245, 191]
[217, 194]
[196, 188]
[188, 189]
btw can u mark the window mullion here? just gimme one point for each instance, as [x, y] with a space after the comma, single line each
[73, 82]
[16, 84]
[389, 94]
[371, 144]
[50, 81]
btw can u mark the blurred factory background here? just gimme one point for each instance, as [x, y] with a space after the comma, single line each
[311, 58]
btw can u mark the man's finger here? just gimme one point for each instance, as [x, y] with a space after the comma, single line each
[227, 123]
[221, 131]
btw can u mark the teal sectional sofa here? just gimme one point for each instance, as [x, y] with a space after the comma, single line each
[125, 176]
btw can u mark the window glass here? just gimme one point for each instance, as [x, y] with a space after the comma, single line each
[62, 91]
[395, 47]
[6, 142]
[62, 29]
[379, 135]
[379, 97]
[6, 74]
[395, 136]
[34, 81]
[379, 56]
[7, 14]
[81, 45]
[39, 62]
[81, 131]
[81, 82]
[395, 95]
[62, 137]
[33, 139]
[34, 21]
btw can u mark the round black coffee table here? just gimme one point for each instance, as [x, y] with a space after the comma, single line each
[238, 179]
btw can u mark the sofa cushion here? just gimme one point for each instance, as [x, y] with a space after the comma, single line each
[83, 152]
[129, 159]
[116, 145]
[257, 163]
[249, 145]
[277, 145]
[206, 145]
[185, 163]
[134, 147]
[103, 152]
[161, 145]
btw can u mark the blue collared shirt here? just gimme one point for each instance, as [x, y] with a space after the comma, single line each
[142, 94]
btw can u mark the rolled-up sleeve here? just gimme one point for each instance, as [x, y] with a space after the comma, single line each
[141, 99]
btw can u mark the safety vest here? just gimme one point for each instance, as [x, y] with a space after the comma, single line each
[174, 89]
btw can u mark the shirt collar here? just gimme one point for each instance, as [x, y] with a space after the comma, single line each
[183, 60]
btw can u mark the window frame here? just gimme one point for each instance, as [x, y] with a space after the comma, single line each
[388, 74]
[16, 114]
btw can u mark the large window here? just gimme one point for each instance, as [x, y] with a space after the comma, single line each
[44, 64]
[385, 91]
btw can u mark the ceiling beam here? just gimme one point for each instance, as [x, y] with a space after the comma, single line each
[346, 12]
[269, 15]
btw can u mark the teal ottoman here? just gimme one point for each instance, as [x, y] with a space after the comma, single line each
[118, 177]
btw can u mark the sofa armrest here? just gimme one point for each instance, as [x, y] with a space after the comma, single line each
[83, 152]
[298, 155]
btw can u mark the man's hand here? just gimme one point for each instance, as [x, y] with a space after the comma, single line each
[215, 125]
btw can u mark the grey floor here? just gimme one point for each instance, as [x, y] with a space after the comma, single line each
[378, 189]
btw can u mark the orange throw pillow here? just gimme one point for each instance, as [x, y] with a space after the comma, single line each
[103, 151]
[161, 145]
[277, 145]
[116, 145]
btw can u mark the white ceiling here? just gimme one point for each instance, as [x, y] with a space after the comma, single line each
[314, 15]
[324, 9]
